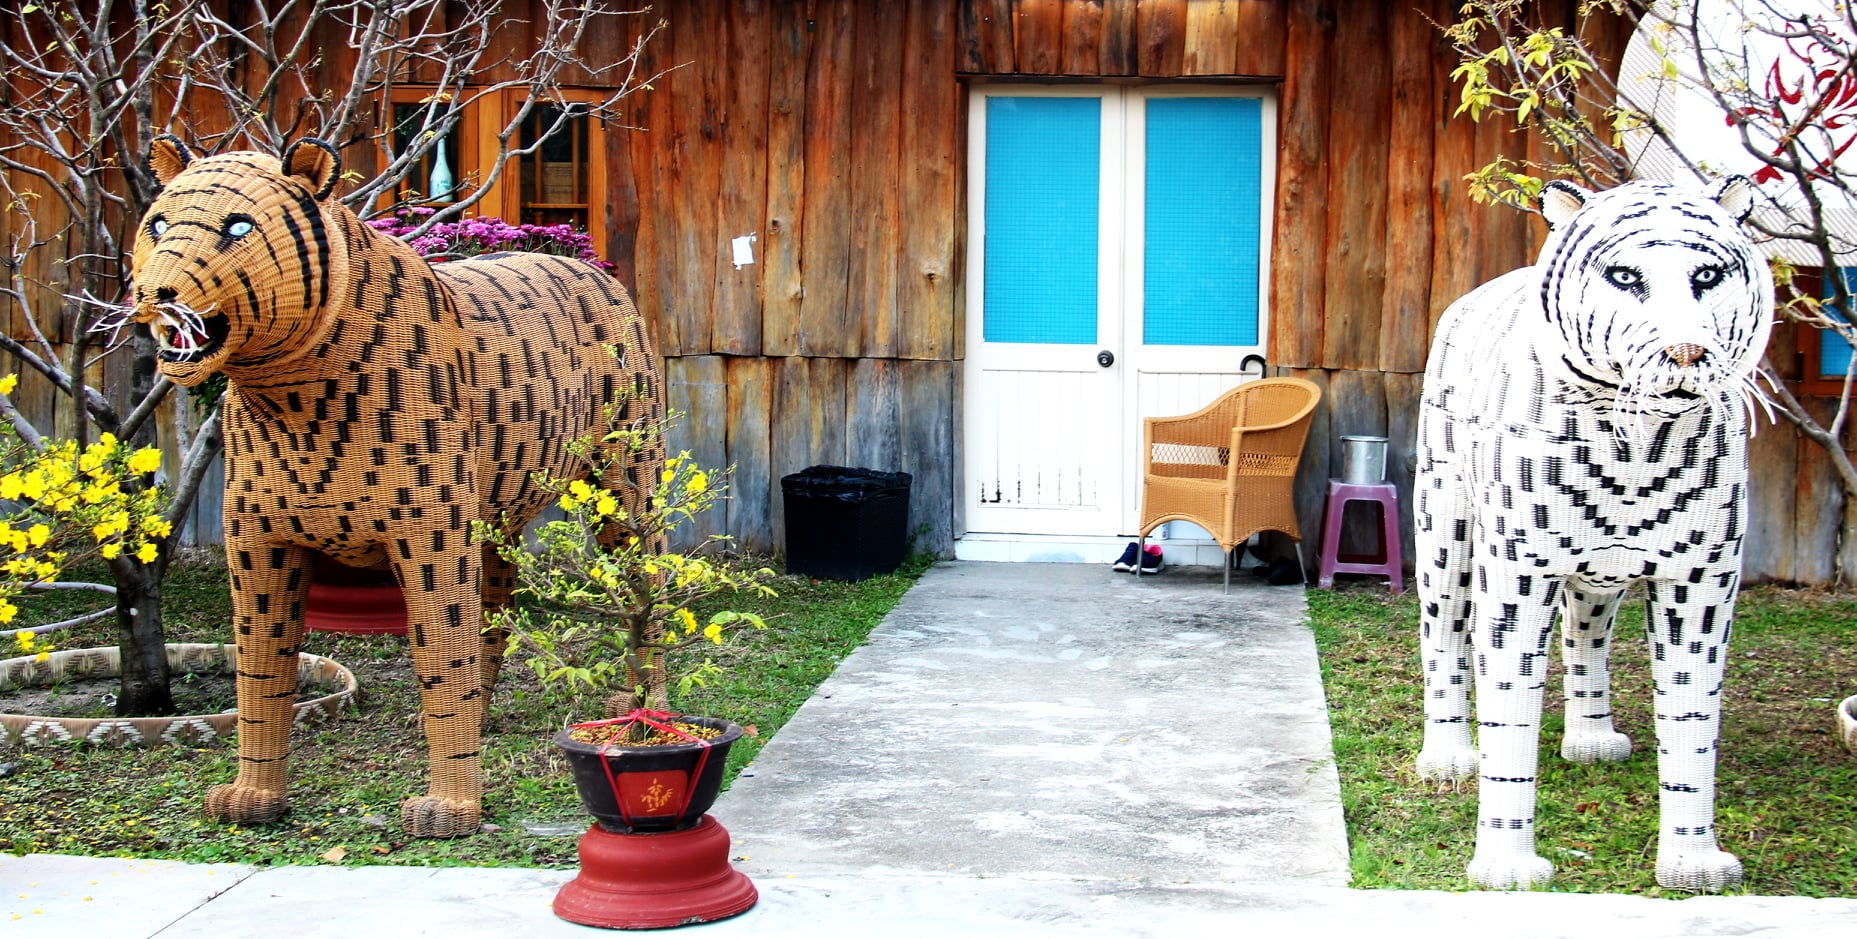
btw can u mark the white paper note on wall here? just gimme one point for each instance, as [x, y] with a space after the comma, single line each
[743, 246]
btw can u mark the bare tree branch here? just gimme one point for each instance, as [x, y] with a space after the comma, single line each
[88, 88]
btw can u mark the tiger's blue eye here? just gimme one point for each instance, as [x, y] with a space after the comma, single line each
[157, 226]
[238, 227]
[1704, 279]
[1624, 278]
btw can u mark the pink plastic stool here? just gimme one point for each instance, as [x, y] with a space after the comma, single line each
[1385, 561]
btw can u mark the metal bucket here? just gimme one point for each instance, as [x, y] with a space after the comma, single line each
[1363, 460]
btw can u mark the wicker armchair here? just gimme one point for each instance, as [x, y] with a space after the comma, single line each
[1229, 466]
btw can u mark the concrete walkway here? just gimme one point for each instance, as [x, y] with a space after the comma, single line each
[1020, 750]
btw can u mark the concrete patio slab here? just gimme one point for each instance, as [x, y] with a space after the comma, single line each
[1060, 719]
[59, 897]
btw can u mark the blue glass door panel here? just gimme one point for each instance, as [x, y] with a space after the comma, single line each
[1200, 284]
[1043, 169]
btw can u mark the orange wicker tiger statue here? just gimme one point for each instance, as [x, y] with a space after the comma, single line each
[377, 406]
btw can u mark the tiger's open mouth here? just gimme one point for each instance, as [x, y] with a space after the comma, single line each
[193, 338]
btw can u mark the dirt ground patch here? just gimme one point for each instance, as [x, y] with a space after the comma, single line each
[200, 693]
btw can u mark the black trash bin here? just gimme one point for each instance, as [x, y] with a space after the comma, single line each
[845, 523]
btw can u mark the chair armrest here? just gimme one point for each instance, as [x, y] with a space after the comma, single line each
[1275, 450]
[1190, 447]
[1173, 426]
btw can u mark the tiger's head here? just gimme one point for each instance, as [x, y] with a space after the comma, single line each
[233, 264]
[1656, 292]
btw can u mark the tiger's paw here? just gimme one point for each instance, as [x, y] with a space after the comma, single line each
[1590, 747]
[1701, 872]
[245, 805]
[1454, 763]
[1510, 872]
[436, 817]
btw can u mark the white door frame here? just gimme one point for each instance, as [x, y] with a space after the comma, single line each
[1144, 380]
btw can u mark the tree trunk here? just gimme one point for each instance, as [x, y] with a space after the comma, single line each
[142, 374]
[1847, 542]
[144, 691]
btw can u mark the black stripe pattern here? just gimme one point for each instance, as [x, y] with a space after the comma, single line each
[378, 406]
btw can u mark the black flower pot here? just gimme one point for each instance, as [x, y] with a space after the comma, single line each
[650, 789]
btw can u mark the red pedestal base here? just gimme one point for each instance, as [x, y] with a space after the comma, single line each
[649, 881]
[359, 609]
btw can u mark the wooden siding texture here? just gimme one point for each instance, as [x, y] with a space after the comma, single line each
[833, 132]
[830, 132]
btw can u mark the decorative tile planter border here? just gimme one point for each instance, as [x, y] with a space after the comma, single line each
[313, 671]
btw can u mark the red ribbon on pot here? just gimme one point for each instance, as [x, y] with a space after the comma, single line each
[656, 720]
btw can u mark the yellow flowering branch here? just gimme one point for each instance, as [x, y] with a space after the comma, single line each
[60, 502]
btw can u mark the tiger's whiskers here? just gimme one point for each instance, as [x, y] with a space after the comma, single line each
[1753, 396]
[173, 314]
[182, 317]
[115, 318]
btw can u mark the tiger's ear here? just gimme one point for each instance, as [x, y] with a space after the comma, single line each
[315, 164]
[1560, 200]
[1735, 194]
[167, 156]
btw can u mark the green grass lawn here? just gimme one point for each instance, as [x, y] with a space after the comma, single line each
[349, 775]
[1786, 789]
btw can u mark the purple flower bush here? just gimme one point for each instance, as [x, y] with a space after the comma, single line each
[485, 235]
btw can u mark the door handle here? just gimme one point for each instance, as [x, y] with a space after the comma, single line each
[1105, 358]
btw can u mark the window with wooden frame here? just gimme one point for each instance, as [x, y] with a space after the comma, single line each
[447, 172]
[1824, 355]
[563, 181]
[553, 183]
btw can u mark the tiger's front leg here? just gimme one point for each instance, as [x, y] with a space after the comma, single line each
[269, 585]
[1514, 619]
[1586, 623]
[1443, 522]
[1688, 627]
[442, 579]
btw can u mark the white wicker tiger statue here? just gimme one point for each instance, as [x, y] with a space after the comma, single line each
[1583, 427]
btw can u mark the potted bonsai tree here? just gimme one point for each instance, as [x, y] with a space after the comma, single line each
[602, 602]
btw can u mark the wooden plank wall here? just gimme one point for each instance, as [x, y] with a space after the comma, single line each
[1370, 213]
[48, 280]
[1795, 500]
[832, 132]
[1372, 216]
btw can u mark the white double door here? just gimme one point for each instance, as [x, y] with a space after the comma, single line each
[1117, 244]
